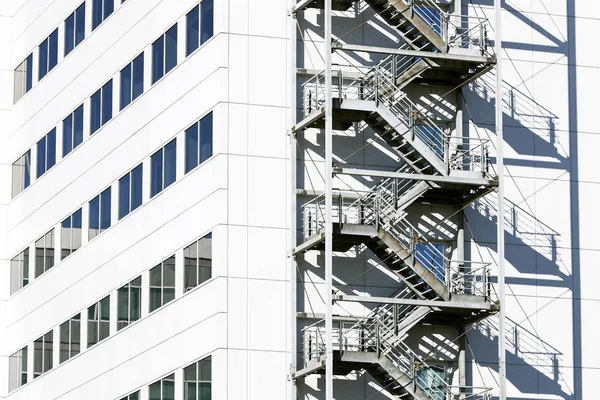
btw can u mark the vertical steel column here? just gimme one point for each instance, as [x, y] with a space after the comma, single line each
[292, 322]
[500, 221]
[328, 207]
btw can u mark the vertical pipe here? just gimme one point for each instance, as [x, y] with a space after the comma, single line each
[292, 322]
[500, 222]
[328, 207]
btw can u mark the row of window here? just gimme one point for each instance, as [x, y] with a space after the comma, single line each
[164, 58]
[197, 384]
[197, 265]
[198, 148]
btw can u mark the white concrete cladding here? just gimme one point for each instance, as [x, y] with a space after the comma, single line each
[239, 316]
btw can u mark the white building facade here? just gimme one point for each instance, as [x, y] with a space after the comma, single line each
[153, 190]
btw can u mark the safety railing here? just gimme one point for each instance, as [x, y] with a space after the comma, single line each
[378, 85]
[375, 337]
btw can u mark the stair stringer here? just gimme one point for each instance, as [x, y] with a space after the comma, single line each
[403, 383]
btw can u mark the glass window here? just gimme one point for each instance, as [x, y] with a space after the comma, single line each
[164, 54]
[197, 380]
[70, 338]
[132, 81]
[198, 142]
[101, 107]
[46, 152]
[199, 26]
[42, 354]
[129, 301]
[197, 262]
[98, 321]
[99, 213]
[135, 395]
[48, 54]
[17, 366]
[19, 271]
[206, 20]
[163, 389]
[162, 283]
[23, 78]
[73, 130]
[163, 168]
[130, 191]
[70, 236]
[101, 9]
[75, 28]
[21, 173]
[44, 253]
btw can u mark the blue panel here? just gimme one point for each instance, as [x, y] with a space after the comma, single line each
[96, 13]
[53, 50]
[124, 184]
[43, 59]
[192, 39]
[171, 48]
[70, 34]
[95, 112]
[156, 173]
[51, 148]
[29, 73]
[67, 135]
[138, 76]
[191, 148]
[125, 86]
[80, 24]
[158, 59]
[78, 126]
[27, 171]
[170, 162]
[66, 223]
[136, 187]
[76, 219]
[109, 7]
[95, 213]
[207, 20]
[41, 157]
[105, 209]
[206, 137]
[432, 257]
[107, 102]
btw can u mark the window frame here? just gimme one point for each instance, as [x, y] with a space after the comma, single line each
[49, 45]
[106, 194]
[98, 322]
[194, 131]
[75, 133]
[104, 101]
[162, 44]
[22, 271]
[128, 180]
[171, 146]
[104, 14]
[46, 156]
[136, 65]
[134, 395]
[21, 167]
[69, 231]
[78, 21]
[197, 267]
[21, 369]
[125, 292]
[47, 253]
[197, 381]
[47, 353]
[162, 288]
[160, 383]
[25, 81]
[73, 347]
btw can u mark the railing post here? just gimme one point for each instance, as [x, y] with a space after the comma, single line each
[395, 189]
[377, 338]
[340, 336]
[376, 88]
[340, 83]
[395, 318]
[309, 226]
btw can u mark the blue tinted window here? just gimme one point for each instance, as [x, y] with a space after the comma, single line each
[43, 59]
[95, 213]
[107, 102]
[124, 195]
[53, 50]
[158, 59]
[138, 76]
[170, 163]
[101, 9]
[192, 31]
[74, 29]
[73, 130]
[171, 48]
[105, 209]
[46, 152]
[156, 173]
[27, 167]
[76, 219]
[95, 111]
[67, 135]
[191, 148]
[78, 126]
[125, 86]
[206, 137]
[207, 20]
[29, 73]
[136, 187]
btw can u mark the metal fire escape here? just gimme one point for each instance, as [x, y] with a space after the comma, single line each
[438, 168]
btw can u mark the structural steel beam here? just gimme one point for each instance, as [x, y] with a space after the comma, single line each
[301, 5]
[415, 53]
[416, 177]
[462, 302]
